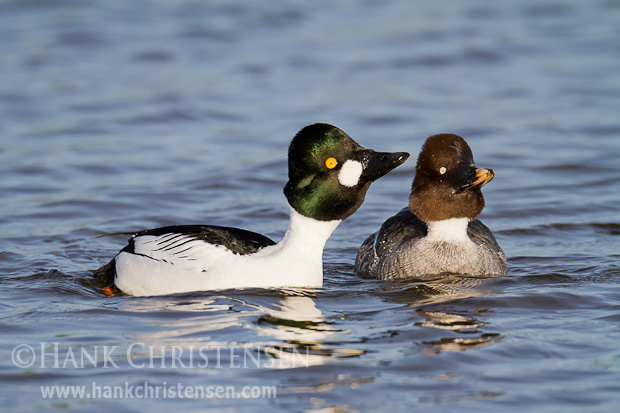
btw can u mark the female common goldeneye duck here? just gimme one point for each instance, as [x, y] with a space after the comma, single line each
[329, 174]
[438, 233]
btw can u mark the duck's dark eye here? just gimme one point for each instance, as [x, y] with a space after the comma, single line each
[442, 170]
[331, 163]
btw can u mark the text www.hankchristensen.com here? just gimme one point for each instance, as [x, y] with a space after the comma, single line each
[164, 391]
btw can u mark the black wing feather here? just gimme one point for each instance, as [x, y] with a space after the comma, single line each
[237, 240]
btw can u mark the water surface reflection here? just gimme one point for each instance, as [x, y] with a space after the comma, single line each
[289, 330]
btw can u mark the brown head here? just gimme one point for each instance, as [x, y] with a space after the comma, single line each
[447, 183]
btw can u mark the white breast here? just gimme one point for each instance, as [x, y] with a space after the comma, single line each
[448, 230]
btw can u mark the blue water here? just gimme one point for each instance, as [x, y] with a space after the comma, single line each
[127, 115]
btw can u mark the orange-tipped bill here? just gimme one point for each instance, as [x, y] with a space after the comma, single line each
[479, 178]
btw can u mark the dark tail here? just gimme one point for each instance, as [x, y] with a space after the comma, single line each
[105, 275]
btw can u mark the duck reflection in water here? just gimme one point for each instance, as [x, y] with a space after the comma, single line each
[293, 328]
[434, 302]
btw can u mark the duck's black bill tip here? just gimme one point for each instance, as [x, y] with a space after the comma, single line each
[377, 164]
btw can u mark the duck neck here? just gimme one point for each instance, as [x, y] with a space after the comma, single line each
[307, 236]
[448, 230]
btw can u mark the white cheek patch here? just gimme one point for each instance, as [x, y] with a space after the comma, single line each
[350, 173]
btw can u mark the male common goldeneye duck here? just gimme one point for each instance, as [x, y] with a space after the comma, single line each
[329, 174]
[438, 233]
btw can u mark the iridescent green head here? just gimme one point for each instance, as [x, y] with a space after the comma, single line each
[329, 173]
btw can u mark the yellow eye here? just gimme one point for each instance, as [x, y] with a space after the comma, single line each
[331, 163]
[442, 170]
